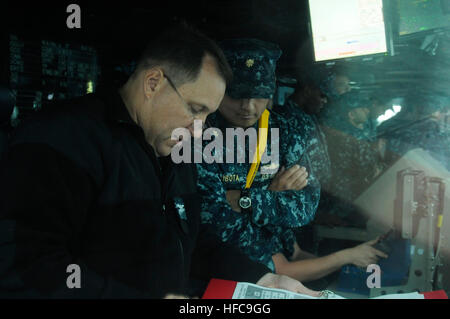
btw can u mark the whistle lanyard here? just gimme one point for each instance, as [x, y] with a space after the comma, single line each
[263, 130]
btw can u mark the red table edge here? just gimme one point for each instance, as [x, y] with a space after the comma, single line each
[224, 289]
[438, 294]
[220, 289]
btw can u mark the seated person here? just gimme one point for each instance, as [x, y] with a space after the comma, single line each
[301, 110]
[333, 86]
[261, 219]
[355, 161]
[336, 84]
[421, 124]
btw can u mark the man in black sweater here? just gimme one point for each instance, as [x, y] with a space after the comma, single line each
[89, 188]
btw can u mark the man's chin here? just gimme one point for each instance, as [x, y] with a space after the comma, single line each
[244, 123]
[163, 151]
[249, 124]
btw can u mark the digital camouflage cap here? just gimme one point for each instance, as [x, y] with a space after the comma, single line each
[254, 67]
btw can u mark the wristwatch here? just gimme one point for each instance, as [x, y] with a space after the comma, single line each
[245, 202]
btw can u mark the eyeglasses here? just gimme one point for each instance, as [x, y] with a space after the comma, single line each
[188, 107]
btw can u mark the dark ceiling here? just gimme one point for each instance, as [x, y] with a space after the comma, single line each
[124, 27]
[120, 30]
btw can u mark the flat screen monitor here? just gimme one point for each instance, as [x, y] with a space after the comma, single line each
[422, 15]
[347, 28]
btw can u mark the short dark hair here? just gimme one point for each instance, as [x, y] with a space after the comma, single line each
[180, 51]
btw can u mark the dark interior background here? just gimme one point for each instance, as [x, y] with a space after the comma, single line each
[118, 31]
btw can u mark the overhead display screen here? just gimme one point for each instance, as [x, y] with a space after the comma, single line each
[347, 28]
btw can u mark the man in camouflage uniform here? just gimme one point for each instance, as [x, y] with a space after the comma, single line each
[428, 130]
[268, 229]
[283, 195]
[353, 152]
[333, 86]
[301, 110]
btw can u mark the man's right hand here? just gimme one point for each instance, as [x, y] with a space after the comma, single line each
[295, 178]
[364, 254]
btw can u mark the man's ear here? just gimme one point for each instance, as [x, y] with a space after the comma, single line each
[153, 78]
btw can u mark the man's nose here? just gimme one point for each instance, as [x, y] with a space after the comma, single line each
[196, 128]
[247, 105]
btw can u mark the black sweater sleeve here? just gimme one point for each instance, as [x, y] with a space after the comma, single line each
[44, 202]
[214, 259]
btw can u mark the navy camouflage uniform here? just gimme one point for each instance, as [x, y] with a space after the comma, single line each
[319, 163]
[431, 135]
[269, 228]
[275, 215]
[353, 155]
[308, 126]
[426, 135]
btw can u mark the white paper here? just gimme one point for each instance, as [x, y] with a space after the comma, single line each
[245, 290]
[412, 295]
